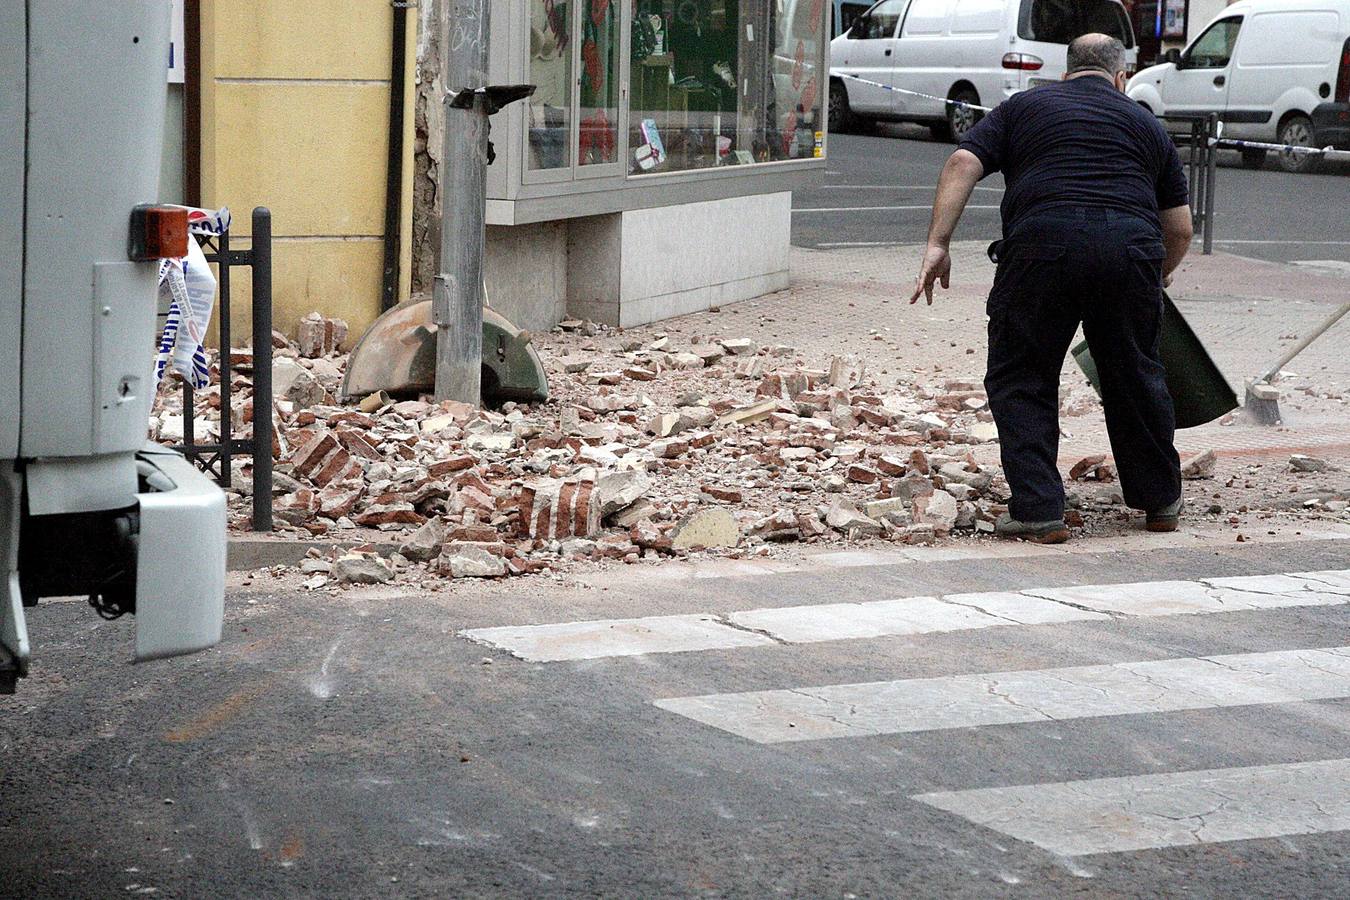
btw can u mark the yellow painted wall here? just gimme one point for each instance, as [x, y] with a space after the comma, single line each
[295, 113]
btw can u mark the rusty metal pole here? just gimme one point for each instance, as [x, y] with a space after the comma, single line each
[457, 302]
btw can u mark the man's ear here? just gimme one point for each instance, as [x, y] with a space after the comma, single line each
[1121, 79]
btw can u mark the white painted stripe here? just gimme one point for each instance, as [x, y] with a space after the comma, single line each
[1296, 243]
[1000, 698]
[616, 637]
[913, 615]
[1165, 598]
[840, 209]
[896, 187]
[868, 244]
[1176, 809]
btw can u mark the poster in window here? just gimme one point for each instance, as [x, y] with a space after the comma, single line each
[1174, 19]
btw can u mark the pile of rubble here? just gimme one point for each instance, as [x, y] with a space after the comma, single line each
[646, 449]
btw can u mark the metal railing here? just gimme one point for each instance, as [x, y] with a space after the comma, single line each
[215, 459]
[1202, 165]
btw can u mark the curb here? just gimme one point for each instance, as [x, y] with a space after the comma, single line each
[248, 552]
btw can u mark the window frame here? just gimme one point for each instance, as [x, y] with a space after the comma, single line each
[1185, 64]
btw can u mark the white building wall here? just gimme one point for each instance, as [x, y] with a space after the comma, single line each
[644, 265]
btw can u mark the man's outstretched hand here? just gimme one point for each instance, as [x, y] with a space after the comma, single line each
[937, 264]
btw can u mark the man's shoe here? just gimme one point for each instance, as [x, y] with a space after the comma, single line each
[1053, 532]
[1165, 519]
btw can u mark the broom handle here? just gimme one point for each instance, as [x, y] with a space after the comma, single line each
[1303, 344]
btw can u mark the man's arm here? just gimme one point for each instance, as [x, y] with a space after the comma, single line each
[959, 175]
[1176, 228]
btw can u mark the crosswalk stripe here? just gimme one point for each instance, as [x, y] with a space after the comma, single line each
[997, 698]
[911, 615]
[1142, 812]
[616, 637]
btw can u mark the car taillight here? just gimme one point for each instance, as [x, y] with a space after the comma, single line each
[1343, 79]
[158, 232]
[1023, 61]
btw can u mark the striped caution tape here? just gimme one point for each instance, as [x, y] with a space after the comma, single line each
[1230, 144]
[894, 89]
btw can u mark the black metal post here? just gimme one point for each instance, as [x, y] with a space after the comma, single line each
[226, 472]
[1211, 167]
[262, 369]
[393, 192]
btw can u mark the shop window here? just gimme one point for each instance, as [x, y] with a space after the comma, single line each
[598, 125]
[550, 109]
[723, 83]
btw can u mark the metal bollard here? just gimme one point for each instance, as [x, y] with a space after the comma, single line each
[262, 368]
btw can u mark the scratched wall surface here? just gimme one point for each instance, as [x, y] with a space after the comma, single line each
[295, 116]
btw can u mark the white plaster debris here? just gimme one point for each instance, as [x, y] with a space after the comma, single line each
[998, 698]
[1174, 809]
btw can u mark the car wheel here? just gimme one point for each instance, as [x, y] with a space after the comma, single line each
[1253, 159]
[841, 120]
[960, 119]
[1297, 131]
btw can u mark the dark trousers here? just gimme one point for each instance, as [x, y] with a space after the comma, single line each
[1104, 269]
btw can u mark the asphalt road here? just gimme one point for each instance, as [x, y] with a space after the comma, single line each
[878, 190]
[356, 745]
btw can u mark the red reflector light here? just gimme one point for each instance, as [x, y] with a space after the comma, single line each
[1343, 76]
[158, 232]
[1022, 61]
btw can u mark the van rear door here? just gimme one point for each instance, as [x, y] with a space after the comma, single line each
[1045, 28]
[1282, 53]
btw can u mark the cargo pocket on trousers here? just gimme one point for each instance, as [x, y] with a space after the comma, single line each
[1146, 262]
[1023, 267]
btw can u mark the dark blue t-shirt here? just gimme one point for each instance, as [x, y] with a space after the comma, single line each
[1078, 143]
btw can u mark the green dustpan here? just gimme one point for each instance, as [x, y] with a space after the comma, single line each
[1199, 391]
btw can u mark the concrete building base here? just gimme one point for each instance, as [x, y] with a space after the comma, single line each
[525, 269]
[639, 266]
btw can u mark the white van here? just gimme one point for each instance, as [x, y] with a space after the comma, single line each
[1264, 66]
[978, 51]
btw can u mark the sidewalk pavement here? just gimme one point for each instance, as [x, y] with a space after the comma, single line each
[1246, 311]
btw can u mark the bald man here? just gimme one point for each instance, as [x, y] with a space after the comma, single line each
[1095, 219]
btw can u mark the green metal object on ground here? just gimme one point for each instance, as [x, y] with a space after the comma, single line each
[1200, 392]
[397, 354]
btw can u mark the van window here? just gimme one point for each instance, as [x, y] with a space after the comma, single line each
[1214, 48]
[879, 22]
[848, 14]
[978, 16]
[1290, 39]
[1060, 21]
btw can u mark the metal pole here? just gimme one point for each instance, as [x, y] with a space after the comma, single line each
[261, 259]
[393, 190]
[1211, 166]
[223, 456]
[457, 304]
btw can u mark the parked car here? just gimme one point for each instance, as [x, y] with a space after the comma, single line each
[976, 51]
[1276, 71]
